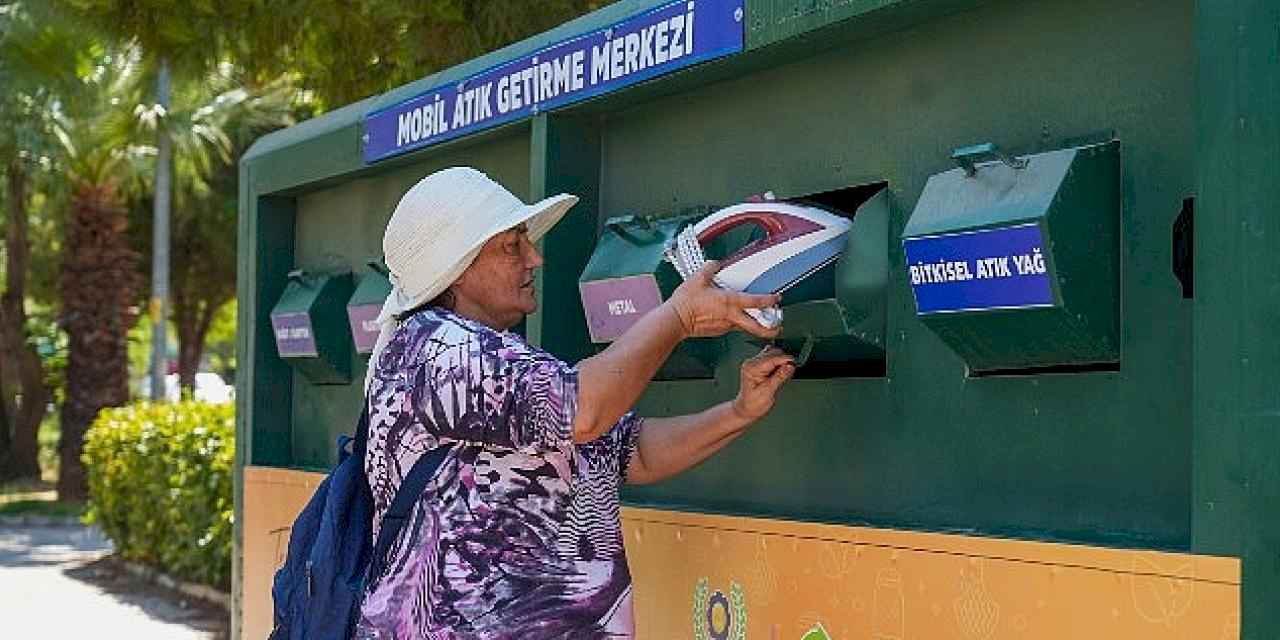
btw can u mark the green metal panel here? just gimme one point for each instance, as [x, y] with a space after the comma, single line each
[326, 149]
[1073, 196]
[847, 325]
[365, 306]
[851, 325]
[1236, 444]
[319, 300]
[910, 99]
[633, 246]
[372, 289]
[834, 94]
[564, 158]
[340, 228]
[810, 24]
[315, 150]
[263, 406]
[263, 381]
[1098, 457]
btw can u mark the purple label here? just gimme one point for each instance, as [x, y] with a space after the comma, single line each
[644, 46]
[364, 325]
[979, 270]
[293, 335]
[613, 305]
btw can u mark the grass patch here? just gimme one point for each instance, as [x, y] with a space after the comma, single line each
[40, 507]
[35, 498]
[27, 490]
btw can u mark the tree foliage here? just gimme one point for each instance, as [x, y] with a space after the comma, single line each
[343, 50]
[160, 486]
[78, 121]
[39, 61]
[100, 275]
[212, 120]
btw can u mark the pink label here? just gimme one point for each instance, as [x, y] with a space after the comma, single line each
[293, 335]
[613, 305]
[364, 325]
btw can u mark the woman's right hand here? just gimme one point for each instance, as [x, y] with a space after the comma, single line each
[706, 310]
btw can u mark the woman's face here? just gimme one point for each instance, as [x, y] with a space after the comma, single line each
[497, 289]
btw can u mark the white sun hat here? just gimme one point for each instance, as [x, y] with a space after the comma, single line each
[439, 227]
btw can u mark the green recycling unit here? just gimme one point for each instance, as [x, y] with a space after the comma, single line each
[1036, 393]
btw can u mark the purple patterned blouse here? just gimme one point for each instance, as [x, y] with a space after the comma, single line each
[518, 535]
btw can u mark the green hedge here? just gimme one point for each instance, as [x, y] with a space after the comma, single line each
[160, 486]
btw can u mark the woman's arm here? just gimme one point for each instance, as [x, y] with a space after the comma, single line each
[610, 382]
[668, 446]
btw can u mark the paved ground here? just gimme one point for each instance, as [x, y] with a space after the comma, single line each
[56, 582]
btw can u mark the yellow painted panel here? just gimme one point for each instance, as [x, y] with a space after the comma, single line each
[703, 577]
[272, 499]
[730, 578]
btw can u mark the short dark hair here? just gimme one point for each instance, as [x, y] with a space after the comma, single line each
[445, 300]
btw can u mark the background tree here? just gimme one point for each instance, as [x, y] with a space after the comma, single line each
[346, 50]
[226, 59]
[39, 58]
[342, 50]
[100, 277]
[212, 121]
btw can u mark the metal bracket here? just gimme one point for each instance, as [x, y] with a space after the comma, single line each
[622, 225]
[806, 350]
[380, 267]
[967, 157]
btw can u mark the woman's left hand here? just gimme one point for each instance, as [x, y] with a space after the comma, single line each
[762, 376]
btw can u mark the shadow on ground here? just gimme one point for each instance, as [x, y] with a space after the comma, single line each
[111, 578]
[43, 546]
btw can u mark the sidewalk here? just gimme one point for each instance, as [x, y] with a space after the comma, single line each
[55, 582]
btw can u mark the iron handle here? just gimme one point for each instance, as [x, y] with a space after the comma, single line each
[967, 157]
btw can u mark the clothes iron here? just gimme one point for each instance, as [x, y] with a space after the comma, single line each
[792, 250]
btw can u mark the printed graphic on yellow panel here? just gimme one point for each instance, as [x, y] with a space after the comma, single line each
[717, 616]
[826, 582]
[728, 578]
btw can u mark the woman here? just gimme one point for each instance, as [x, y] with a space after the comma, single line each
[518, 534]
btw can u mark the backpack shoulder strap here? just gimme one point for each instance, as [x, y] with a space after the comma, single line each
[402, 504]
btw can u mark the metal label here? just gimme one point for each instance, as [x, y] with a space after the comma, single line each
[364, 325]
[294, 338]
[613, 305]
[644, 46]
[1004, 268]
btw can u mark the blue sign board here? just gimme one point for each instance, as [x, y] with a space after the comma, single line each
[983, 270]
[646, 45]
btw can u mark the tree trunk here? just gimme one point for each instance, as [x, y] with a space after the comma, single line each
[193, 329]
[22, 362]
[6, 410]
[99, 284]
[189, 351]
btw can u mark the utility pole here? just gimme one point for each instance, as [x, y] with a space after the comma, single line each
[159, 307]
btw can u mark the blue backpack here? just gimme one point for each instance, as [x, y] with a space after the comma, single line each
[318, 592]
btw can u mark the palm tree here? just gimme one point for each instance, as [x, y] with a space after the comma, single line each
[38, 60]
[211, 121]
[100, 278]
